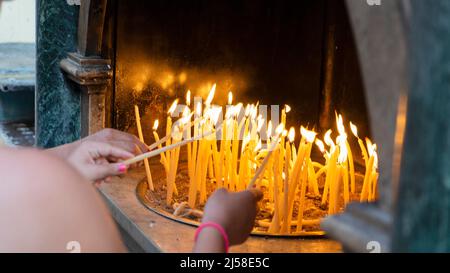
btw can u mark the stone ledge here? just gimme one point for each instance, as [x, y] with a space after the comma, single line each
[154, 233]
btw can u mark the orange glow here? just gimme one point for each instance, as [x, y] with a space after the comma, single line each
[139, 87]
[182, 77]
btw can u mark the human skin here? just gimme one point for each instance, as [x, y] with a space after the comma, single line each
[45, 204]
[235, 212]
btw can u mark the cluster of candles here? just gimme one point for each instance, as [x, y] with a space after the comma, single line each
[243, 150]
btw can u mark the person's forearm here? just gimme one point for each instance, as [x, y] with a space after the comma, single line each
[209, 241]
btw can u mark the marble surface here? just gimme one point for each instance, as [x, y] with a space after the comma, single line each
[422, 222]
[57, 100]
[155, 233]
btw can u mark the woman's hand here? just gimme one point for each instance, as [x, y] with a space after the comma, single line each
[98, 160]
[116, 138]
[235, 212]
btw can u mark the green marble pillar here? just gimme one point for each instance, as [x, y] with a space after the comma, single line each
[422, 219]
[57, 100]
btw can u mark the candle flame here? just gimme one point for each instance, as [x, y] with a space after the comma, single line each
[198, 109]
[285, 133]
[372, 150]
[291, 135]
[320, 145]
[343, 153]
[327, 138]
[369, 146]
[188, 98]
[173, 107]
[288, 108]
[340, 125]
[155, 125]
[211, 95]
[279, 129]
[308, 135]
[230, 98]
[354, 129]
[341, 140]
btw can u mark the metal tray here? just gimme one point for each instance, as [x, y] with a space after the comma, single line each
[141, 190]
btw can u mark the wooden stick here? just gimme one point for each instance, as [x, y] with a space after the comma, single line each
[263, 164]
[164, 139]
[167, 148]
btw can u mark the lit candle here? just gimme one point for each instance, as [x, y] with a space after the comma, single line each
[345, 154]
[277, 215]
[235, 153]
[301, 209]
[370, 169]
[331, 179]
[141, 138]
[313, 186]
[285, 228]
[331, 165]
[309, 137]
[300, 166]
[345, 181]
[193, 184]
[222, 154]
[156, 136]
[360, 142]
[374, 185]
[173, 163]
[367, 177]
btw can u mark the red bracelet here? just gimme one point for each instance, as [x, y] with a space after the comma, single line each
[219, 228]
